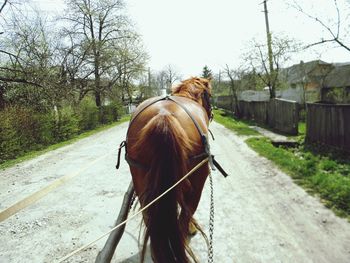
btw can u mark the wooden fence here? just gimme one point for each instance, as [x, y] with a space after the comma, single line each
[254, 110]
[283, 115]
[278, 114]
[328, 124]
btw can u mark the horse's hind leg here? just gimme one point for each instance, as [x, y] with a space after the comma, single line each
[192, 198]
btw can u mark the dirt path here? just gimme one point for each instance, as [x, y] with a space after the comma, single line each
[260, 214]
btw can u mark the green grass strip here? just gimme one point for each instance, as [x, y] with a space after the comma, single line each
[238, 126]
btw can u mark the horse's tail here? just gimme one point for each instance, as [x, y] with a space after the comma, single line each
[167, 142]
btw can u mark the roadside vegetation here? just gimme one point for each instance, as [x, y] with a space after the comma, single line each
[241, 127]
[25, 134]
[319, 170]
[60, 80]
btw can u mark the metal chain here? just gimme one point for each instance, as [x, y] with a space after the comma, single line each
[211, 222]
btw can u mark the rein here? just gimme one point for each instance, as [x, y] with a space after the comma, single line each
[208, 157]
[137, 213]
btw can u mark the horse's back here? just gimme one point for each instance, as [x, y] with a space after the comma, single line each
[154, 106]
[144, 114]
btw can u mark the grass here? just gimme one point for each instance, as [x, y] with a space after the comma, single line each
[33, 154]
[302, 128]
[320, 171]
[239, 126]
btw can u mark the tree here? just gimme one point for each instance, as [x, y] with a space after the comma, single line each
[130, 64]
[30, 72]
[207, 73]
[171, 76]
[160, 80]
[99, 26]
[11, 3]
[219, 87]
[3, 53]
[258, 60]
[238, 78]
[96, 52]
[337, 30]
[76, 66]
[148, 85]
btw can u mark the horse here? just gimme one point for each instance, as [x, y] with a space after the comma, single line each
[167, 137]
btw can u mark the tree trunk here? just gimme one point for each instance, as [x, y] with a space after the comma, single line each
[2, 99]
[237, 109]
[272, 92]
[97, 81]
[98, 98]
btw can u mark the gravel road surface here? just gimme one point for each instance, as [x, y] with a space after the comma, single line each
[260, 214]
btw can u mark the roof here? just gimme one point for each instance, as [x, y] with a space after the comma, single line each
[304, 71]
[339, 76]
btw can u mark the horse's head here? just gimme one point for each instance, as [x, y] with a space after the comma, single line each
[197, 89]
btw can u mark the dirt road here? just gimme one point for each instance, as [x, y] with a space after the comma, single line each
[260, 214]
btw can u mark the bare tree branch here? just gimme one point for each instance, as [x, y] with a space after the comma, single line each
[3, 5]
[4, 79]
[335, 35]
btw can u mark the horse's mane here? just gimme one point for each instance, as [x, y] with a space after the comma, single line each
[192, 88]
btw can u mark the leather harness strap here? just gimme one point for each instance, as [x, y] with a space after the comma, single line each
[212, 162]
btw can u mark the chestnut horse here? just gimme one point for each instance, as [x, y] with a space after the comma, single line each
[167, 137]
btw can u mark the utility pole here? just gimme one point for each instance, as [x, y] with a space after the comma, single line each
[269, 49]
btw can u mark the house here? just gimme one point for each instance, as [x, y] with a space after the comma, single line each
[304, 82]
[319, 81]
[307, 78]
[312, 81]
[336, 86]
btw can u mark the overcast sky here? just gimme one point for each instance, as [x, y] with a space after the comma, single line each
[189, 34]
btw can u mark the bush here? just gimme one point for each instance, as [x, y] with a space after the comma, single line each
[87, 115]
[65, 124]
[110, 113]
[33, 129]
[9, 143]
[23, 129]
